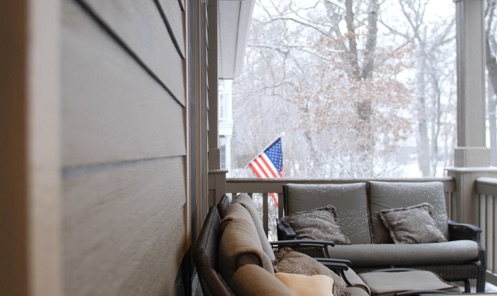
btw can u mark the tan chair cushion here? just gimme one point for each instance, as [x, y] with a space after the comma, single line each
[350, 201]
[305, 285]
[240, 244]
[289, 261]
[389, 283]
[250, 280]
[389, 195]
[249, 204]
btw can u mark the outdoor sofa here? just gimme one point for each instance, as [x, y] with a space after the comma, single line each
[385, 225]
[233, 256]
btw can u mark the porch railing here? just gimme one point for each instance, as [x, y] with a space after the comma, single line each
[486, 191]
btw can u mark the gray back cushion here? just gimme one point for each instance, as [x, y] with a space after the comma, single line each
[350, 201]
[389, 195]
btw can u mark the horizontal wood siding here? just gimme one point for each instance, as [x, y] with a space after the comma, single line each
[118, 112]
[123, 228]
[174, 16]
[141, 27]
[123, 151]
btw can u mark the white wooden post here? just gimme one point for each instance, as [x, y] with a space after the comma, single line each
[30, 183]
[471, 156]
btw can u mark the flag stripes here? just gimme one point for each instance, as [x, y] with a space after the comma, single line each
[264, 168]
[269, 164]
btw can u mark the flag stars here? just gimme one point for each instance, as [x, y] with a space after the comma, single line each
[269, 164]
[275, 154]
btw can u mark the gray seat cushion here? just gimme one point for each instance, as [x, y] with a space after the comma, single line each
[389, 283]
[356, 281]
[350, 201]
[364, 255]
[389, 195]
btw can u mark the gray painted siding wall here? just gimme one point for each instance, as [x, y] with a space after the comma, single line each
[123, 146]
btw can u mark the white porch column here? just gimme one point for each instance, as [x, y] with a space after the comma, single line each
[471, 157]
[217, 177]
[30, 180]
[213, 77]
[471, 150]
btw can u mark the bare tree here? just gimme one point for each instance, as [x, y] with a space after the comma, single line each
[356, 102]
[323, 77]
[431, 84]
[491, 63]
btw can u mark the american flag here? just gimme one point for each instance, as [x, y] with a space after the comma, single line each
[269, 164]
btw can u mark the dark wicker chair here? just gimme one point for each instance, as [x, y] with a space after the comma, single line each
[223, 205]
[205, 257]
[206, 248]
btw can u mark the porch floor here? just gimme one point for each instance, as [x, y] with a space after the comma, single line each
[489, 288]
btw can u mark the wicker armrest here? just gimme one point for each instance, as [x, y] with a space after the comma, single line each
[300, 245]
[346, 262]
[458, 231]
[285, 231]
[337, 267]
[332, 264]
